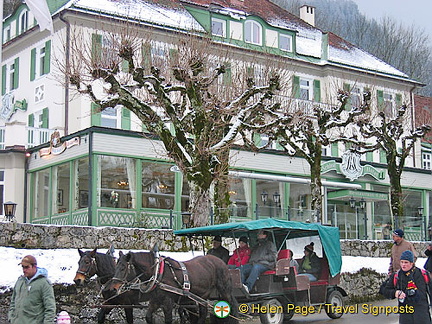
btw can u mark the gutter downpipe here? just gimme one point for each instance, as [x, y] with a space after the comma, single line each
[67, 54]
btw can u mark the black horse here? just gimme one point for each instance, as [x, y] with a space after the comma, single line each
[103, 265]
[208, 277]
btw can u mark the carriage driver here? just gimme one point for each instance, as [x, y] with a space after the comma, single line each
[263, 258]
[218, 250]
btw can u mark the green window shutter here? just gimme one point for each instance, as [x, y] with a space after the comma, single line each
[47, 58]
[146, 57]
[380, 99]
[398, 100]
[347, 88]
[125, 66]
[383, 158]
[45, 118]
[369, 156]
[126, 119]
[296, 87]
[3, 90]
[31, 120]
[16, 73]
[334, 149]
[96, 116]
[174, 56]
[317, 90]
[227, 76]
[96, 47]
[257, 139]
[33, 64]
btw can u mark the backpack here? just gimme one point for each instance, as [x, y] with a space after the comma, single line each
[424, 273]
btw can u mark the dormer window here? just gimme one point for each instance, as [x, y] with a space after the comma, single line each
[253, 32]
[218, 27]
[285, 42]
[23, 22]
[6, 34]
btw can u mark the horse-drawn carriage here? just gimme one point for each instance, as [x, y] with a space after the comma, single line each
[277, 295]
[280, 293]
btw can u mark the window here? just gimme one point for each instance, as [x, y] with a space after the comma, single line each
[109, 117]
[426, 160]
[285, 42]
[116, 182]
[41, 193]
[61, 185]
[10, 76]
[218, 27]
[6, 34]
[158, 185]
[23, 22]
[356, 97]
[306, 89]
[253, 32]
[386, 102]
[40, 60]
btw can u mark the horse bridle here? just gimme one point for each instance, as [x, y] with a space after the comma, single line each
[86, 273]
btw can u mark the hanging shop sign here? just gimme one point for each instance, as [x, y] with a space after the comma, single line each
[351, 167]
[57, 146]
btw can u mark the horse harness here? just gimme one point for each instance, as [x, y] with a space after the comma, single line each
[86, 274]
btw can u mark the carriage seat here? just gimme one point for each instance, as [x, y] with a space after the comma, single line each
[323, 275]
[282, 264]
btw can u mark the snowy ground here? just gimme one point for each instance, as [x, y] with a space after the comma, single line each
[63, 263]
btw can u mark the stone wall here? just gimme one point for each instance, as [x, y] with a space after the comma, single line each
[361, 286]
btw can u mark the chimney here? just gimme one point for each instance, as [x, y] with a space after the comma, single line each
[307, 13]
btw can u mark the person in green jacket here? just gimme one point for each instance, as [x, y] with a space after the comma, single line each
[32, 300]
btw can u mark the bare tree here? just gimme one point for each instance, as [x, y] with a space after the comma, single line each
[304, 133]
[180, 98]
[396, 136]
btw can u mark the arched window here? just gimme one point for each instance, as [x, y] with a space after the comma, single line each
[23, 21]
[253, 32]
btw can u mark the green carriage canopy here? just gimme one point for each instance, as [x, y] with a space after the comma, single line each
[329, 236]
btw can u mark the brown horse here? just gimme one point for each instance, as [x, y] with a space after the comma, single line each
[208, 277]
[103, 265]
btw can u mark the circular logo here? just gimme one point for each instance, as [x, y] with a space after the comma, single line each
[222, 309]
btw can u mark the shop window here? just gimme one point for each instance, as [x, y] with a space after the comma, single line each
[41, 193]
[240, 192]
[116, 182]
[81, 184]
[61, 185]
[158, 186]
[1, 191]
[269, 198]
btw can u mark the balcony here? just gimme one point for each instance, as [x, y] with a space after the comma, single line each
[37, 136]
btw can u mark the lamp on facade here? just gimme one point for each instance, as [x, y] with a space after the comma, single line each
[362, 203]
[276, 198]
[264, 196]
[186, 219]
[9, 210]
[420, 211]
[352, 202]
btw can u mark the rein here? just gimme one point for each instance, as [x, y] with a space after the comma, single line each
[86, 273]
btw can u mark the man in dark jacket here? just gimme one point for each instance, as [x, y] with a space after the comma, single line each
[428, 253]
[218, 250]
[32, 300]
[410, 288]
[263, 258]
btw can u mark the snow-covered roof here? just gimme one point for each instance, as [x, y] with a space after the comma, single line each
[163, 12]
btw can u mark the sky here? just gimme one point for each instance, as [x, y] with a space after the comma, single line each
[62, 264]
[409, 12]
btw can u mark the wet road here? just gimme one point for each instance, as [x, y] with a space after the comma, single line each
[359, 315]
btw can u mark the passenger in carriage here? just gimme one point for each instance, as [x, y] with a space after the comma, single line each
[241, 255]
[293, 262]
[218, 250]
[310, 263]
[263, 258]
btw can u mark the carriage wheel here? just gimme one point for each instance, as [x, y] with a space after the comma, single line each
[272, 318]
[335, 298]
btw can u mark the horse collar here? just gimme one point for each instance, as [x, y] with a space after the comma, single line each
[186, 282]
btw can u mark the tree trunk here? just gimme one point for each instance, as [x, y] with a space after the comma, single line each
[199, 205]
[396, 198]
[316, 188]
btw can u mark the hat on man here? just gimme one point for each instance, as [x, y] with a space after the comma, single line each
[398, 232]
[28, 260]
[309, 247]
[243, 239]
[407, 255]
[217, 238]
